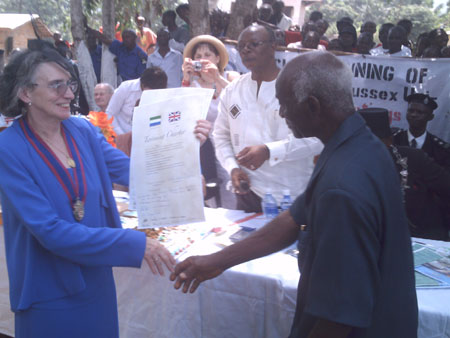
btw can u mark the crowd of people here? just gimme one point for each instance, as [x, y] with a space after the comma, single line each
[358, 200]
[142, 46]
[138, 49]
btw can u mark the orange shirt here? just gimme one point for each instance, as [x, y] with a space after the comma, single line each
[145, 40]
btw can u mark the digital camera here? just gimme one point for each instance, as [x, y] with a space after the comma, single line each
[197, 66]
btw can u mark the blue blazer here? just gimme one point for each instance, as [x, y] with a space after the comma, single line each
[45, 246]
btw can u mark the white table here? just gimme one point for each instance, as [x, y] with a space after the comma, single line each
[254, 299]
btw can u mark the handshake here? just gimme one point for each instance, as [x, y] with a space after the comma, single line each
[189, 273]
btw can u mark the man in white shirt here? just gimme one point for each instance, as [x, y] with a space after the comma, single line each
[124, 100]
[282, 21]
[253, 143]
[396, 38]
[310, 40]
[102, 94]
[393, 43]
[167, 59]
[382, 36]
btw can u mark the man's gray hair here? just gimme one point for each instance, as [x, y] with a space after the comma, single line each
[107, 86]
[327, 78]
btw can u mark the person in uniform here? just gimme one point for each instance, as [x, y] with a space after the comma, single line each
[424, 183]
[419, 113]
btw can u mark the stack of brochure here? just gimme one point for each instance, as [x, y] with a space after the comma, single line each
[432, 265]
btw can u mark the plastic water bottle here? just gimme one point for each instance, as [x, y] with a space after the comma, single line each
[269, 206]
[286, 202]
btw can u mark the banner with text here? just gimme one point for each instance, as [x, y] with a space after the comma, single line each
[385, 82]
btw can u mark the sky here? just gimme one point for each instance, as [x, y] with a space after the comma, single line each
[438, 2]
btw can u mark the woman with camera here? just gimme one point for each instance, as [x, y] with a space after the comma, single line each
[205, 58]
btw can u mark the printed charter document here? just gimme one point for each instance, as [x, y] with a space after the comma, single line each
[165, 175]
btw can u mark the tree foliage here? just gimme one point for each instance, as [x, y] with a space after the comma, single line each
[445, 19]
[55, 14]
[126, 11]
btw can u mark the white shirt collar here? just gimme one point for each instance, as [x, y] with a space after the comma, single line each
[420, 140]
[171, 50]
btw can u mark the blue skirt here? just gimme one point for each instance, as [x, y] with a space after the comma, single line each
[91, 313]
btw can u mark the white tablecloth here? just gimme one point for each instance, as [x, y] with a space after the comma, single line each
[254, 299]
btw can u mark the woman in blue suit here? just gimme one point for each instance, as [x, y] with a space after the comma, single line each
[62, 228]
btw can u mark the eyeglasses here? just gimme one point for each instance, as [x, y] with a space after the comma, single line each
[250, 45]
[60, 87]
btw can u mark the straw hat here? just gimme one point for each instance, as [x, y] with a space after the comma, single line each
[223, 54]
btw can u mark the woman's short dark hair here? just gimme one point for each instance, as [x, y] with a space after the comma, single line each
[207, 44]
[19, 74]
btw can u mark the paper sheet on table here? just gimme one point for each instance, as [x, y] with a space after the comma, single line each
[432, 265]
[165, 175]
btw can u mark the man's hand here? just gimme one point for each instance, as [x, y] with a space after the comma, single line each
[202, 130]
[238, 177]
[253, 157]
[102, 37]
[274, 236]
[156, 254]
[194, 270]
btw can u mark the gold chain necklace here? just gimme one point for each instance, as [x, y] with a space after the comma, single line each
[69, 160]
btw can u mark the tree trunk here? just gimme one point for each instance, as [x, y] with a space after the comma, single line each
[241, 11]
[109, 70]
[199, 17]
[145, 12]
[2, 60]
[84, 61]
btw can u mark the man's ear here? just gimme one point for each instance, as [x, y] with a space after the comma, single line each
[313, 104]
[430, 117]
[24, 95]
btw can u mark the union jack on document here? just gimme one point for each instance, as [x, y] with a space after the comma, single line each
[174, 116]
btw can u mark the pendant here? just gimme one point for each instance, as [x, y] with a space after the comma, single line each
[71, 162]
[78, 210]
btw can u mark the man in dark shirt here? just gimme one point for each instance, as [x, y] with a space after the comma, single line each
[347, 35]
[419, 113]
[131, 59]
[355, 257]
[179, 36]
[95, 50]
